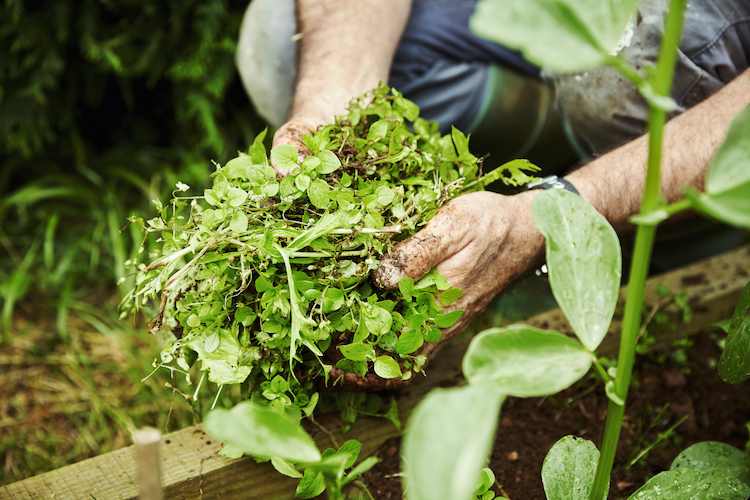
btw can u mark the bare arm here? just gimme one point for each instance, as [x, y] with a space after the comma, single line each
[482, 241]
[347, 47]
[614, 183]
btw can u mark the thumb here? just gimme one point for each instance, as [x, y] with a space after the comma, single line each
[443, 236]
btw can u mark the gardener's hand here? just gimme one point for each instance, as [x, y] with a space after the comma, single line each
[291, 133]
[480, 242]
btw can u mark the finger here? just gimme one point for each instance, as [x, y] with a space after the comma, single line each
[443, 236]
[291, 133]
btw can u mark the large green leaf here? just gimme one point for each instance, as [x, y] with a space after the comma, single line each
[524, 361]
[262, 432]
[584, 261]
[711, 456]
[734, 365]
[727, 193]
[569, 469]
[447, 442]
[556, 35]
[692, 484]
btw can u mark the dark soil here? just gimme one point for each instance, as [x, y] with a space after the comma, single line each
[668, 385]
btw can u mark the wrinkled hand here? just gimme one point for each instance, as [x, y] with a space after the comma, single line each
[291, 133]
[480, 242]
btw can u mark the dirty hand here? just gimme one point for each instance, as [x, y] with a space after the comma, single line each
[291, 133]
[480, 242]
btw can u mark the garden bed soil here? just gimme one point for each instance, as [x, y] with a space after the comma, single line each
[669, 384]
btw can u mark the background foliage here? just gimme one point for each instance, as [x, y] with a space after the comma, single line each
[103, 106]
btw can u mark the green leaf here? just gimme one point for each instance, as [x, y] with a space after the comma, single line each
[561, 36]
[309, 163]
[584, 261]
[734, 365]
[448, 319]
[433, 278]
[236, 197]
[312, 485]
[317, 192]
[230, 451]
[447, 441]
[449, 296]
[569, 469]
[351, 450]
[523, 361]
[329, 162]
[377, 319]
[378, 130]
[211, 343]
[358, 352]
[711, 456]
[406, 287]
[691, 484]
[302, 181]
[262, 432]
[333, 300]
[223, 364]
[239, 222]
[366, 464]
[727, 193]
[409, 341]
[212, 197]
[285, 467]
[385, 195]
[285, 156]
[386, 367]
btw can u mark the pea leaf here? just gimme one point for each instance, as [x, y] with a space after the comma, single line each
[712, 456]
[561, 36]
[734, 365]
[692, 484]
[523, 361]
[285, 156]
[584, 261]
[569, 469]
[447, 441]
[727, 193]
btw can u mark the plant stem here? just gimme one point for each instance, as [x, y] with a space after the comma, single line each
[644, 242]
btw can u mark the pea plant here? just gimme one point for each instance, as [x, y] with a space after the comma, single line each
[449, 435]
[265, 283]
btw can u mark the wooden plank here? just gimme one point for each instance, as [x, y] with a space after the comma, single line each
[191, 469]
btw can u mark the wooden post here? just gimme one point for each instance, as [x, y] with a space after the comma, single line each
[149, 467]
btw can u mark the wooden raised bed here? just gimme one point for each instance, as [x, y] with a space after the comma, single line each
[191, 469]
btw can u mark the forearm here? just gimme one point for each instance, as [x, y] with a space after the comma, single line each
[347, 47]
[614, 182]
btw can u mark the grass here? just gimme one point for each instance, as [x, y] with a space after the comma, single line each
[63, 400]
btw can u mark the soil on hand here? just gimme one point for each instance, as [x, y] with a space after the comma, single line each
[668, 385]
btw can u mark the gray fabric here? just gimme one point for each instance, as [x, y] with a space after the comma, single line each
[266, 57]
[604, 110]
